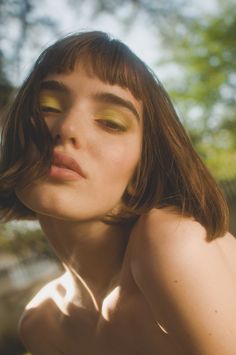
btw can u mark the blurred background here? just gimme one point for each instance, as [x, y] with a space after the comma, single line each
[191, 46]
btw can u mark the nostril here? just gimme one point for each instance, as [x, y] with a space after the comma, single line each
[73, 140]
[58, 139]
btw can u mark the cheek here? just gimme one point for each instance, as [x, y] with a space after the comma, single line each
[122, 160]
[36, 197]
[31, 196]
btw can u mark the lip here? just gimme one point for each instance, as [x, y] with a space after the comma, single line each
[67, 164]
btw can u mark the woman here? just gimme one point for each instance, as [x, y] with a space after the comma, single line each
[92, 148]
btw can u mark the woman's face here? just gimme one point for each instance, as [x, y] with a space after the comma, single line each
[97, 133]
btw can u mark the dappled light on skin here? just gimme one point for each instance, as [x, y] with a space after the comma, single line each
[61, 294]
[110, 300]
[88, 290]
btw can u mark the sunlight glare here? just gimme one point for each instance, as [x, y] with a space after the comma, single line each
[110, 302]
[51, 292]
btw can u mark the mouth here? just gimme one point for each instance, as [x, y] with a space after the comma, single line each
[64, 164]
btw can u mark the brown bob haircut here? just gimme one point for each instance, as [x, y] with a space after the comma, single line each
[170, 173]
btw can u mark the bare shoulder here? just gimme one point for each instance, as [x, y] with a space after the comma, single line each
[171, 243]
[167, 231]
[189, 282]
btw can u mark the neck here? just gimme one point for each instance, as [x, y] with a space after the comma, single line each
[92, 251]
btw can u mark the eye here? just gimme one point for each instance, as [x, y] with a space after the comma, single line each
[112, 125]
[48, 109]
[49, 104]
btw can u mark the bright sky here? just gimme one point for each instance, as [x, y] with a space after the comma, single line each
[140, 38]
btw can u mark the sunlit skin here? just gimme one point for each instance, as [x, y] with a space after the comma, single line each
[156, 288]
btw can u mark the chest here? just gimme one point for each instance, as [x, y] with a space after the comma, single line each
[124, 326]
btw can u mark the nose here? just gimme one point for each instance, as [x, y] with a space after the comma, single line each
[66, 134]
[67, 130]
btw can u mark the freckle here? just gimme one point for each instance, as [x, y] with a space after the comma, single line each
[216, 311]
[209, 334]
[176, 281]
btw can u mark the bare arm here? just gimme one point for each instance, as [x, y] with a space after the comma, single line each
[35, 328]
[188, 283]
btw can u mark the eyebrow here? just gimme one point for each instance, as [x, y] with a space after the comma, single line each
[105, 97]
[54, 86]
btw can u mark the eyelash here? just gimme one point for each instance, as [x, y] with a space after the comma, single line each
[112, 126]
[48, 109]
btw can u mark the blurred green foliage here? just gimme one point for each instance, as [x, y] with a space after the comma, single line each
[24, 240]
[204, 51]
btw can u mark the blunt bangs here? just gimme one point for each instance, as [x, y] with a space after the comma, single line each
[102, 56]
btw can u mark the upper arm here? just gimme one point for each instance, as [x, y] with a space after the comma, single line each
[35, 322]
[26, 328]
[187, 282]
[35, 325]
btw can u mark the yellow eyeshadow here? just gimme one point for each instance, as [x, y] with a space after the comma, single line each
[114, 116]
[49, 101]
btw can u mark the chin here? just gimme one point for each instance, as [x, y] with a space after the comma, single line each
[60, 203]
